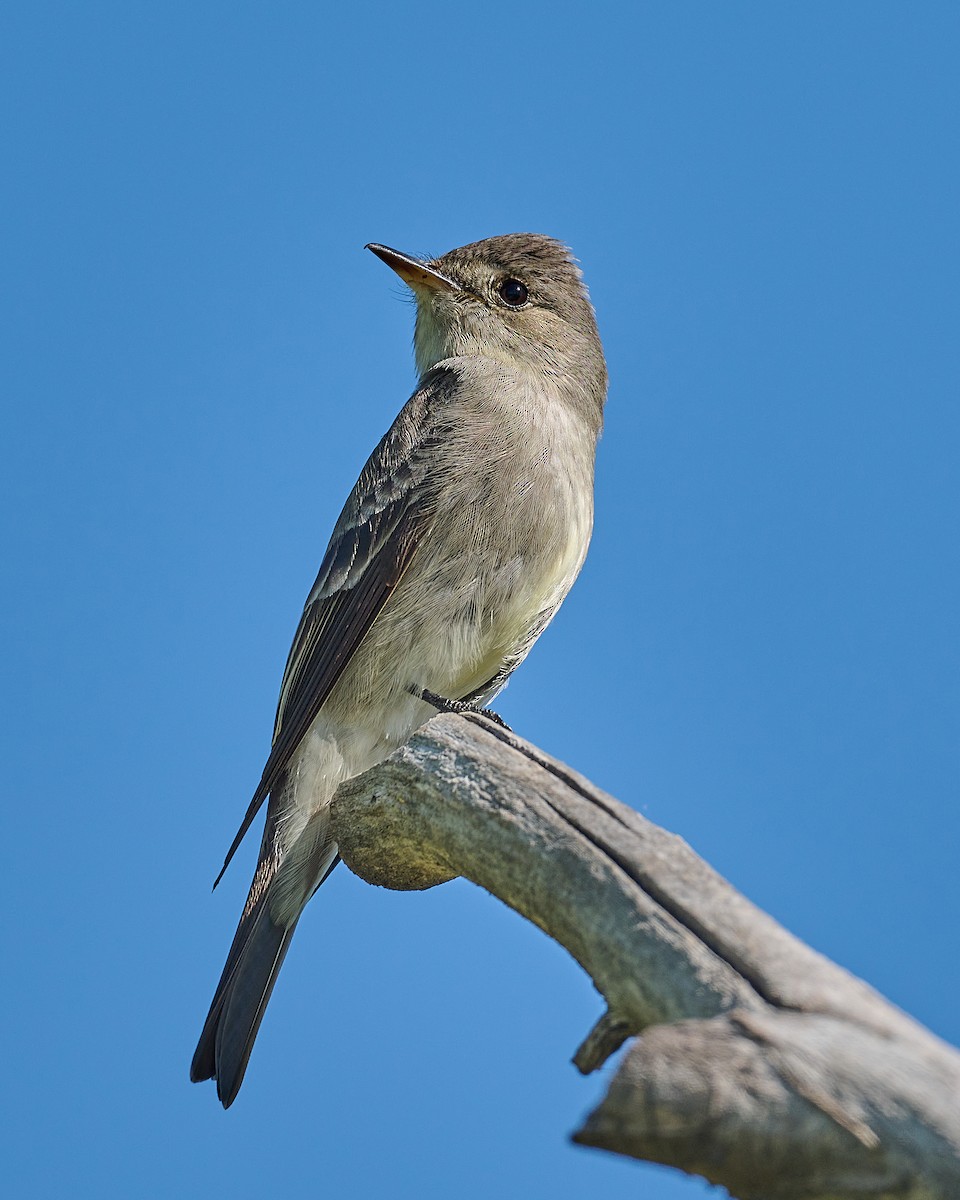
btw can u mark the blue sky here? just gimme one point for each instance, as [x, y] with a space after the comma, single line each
[761, 653]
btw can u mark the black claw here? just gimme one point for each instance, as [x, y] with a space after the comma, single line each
[460, 707]
[495, 717]
[441, 703]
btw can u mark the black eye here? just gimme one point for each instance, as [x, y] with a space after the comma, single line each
[513, 292]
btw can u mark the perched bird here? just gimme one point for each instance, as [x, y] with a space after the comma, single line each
[463, 534]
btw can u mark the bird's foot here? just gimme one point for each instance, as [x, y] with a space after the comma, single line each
[461, 707]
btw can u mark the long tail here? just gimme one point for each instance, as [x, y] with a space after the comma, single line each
[239, 1003]
[256, 955]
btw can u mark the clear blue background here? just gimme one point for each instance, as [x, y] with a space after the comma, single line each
[761, 654]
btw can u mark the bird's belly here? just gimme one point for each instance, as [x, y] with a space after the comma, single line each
[470, 617]
[455, 623]
[507, 544]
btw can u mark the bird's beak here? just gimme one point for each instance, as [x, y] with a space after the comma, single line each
[414, 271]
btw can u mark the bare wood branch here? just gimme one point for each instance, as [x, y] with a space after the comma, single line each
[763, 1066]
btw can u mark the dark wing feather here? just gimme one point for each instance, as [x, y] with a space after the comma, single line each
[382, 523]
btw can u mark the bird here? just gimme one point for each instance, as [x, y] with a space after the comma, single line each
[463, 534]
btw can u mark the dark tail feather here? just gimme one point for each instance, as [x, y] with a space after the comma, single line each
[246, 1002]
[281, 882]
[240, 1001]
[256, 955]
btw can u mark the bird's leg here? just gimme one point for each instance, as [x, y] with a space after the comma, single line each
[442, 704]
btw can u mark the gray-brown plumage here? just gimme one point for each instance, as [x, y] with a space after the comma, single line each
[464, 532]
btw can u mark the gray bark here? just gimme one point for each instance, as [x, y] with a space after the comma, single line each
[763, 1066]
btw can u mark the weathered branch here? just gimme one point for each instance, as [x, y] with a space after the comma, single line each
[763, 1066]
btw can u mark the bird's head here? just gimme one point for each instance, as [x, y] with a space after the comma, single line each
[519, 299]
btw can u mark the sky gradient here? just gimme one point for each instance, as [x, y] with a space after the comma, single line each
[761, 654]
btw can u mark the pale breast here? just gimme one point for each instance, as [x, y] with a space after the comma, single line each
[513, 530]
[515, 512]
